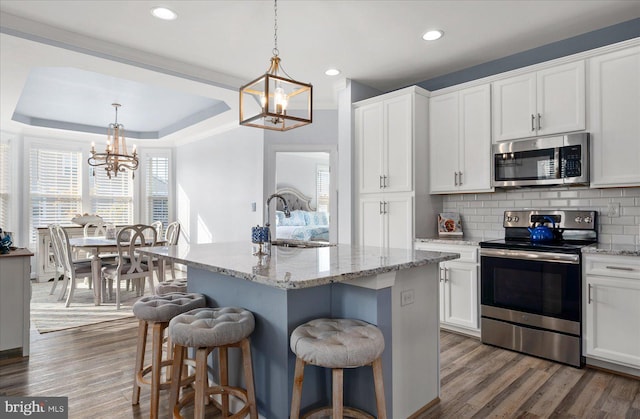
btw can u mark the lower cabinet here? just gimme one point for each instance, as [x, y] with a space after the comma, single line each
[386, 220]
[15, 297]
[458, 287]
[612, 309]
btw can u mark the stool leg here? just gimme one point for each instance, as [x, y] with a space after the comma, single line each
[141, 348]
[379, 387]
[248, 378]
[338, 407]
[296, 397]
[202, 382]
[176, 370]
[224, 379]
[156, 368]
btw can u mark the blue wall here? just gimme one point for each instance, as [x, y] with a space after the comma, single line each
[580, 43]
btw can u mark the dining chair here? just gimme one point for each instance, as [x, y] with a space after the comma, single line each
[57, 259]
[99, 229]
[172, 234]
[73, 269]
[157, 225]
[132, 265]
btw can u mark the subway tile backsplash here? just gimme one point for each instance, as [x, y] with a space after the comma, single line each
[482, 213]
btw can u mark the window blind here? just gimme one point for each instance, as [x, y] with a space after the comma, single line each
[55, 187]
[322, 188]
[112, 199]
[5, 184]
[157, 187]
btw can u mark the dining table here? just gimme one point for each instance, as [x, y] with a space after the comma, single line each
[96, 246]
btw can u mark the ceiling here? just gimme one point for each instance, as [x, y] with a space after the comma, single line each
[200, 59]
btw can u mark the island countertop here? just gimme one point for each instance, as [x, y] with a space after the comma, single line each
[292, 268]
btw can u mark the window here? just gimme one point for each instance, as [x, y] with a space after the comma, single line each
[55, 187]
[5, 184]
[157, 188]
[111, 199]
[322, 188]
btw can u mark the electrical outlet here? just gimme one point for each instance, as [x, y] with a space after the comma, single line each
[614, 209]
[407, 297]
[253, 207]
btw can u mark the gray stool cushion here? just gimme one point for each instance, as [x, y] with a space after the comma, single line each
[337, 343]
[209, 327]
[162, 308]
[178, 285]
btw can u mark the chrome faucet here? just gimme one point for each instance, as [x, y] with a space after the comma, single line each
[285, 209]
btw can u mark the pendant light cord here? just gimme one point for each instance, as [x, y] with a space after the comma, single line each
[275, 28]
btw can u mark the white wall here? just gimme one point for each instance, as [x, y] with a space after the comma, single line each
[217, 180]
[298, 170]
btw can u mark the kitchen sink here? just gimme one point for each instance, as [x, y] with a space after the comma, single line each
[300, 243]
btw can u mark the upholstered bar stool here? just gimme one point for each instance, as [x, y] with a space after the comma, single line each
[176, 285]
[337, 344]
[206, 329]
[156, 311]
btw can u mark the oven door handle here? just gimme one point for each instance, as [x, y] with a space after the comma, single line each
[531, 255]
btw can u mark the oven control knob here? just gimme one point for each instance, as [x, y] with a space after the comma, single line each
[515, 219]
[578, 219]
[587, 219]
[509, 218]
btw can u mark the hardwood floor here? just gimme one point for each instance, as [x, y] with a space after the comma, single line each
[93, 366]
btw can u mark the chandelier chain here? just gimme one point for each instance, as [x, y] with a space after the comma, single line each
[275, 28]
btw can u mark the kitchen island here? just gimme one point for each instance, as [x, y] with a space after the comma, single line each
[395, 289]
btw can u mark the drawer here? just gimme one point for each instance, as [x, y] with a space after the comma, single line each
[615, 266]
[468, 254]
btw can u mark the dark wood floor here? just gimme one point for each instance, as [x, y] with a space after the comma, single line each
[93, 367]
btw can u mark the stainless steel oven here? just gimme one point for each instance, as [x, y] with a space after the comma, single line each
[531, 291]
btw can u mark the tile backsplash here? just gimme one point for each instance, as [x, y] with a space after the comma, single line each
[482, 213]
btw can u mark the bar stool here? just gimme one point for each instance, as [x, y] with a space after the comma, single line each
[176, 285]
[156, 311]
[337, 344]
[206, 329]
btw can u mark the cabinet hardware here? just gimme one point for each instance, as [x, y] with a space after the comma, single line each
[539, 125]
[381, 203]
[385, 184]
[589, 294]
[446, 271]
[620, 268]
[455, 178]
[380, 183]
[460, 178]
[442, 270]
[385, 207]
[533, 119]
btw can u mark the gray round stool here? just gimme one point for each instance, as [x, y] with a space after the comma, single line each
[206, 329]
[176, 285]
[337, 344]
[157, 311]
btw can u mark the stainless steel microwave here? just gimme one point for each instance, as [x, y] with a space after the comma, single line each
[553, 160]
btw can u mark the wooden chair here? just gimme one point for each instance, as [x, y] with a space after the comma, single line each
[172, 234]
[157, 225]
[131, 265]
[72, 269]
[57, 260]
[100, 229]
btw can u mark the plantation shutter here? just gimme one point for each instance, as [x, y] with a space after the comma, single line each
[112, 199]
[157, 187]
[322, 188]
[5, 184]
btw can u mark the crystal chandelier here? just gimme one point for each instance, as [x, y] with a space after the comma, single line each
[273, 101]
[116, 158]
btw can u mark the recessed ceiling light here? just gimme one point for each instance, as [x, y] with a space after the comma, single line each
[432, 35]
[332, 72]
[164, 13]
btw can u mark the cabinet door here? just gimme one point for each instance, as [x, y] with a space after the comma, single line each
[614, 103]
[443, 143]
[398, 159]
[399, 221]
[371, 225]
[613, 319]
[370, 137]
[561, 99]
[475, 139]
[514, 104]
[461, 294]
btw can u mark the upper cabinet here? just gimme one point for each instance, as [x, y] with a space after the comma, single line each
[548, 101]
[384, 133]
[460, 141]
[614, 118]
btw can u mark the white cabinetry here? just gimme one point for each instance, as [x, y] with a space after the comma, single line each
[458, 287]
[614, 118]
[460, 141]
[545, 102]
[612, 307]
[384, 133]
[391, 153]
[15, 297]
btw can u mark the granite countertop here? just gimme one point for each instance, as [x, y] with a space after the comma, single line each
[613, 249]
[464, 240]
[291, 267]
[17, 252]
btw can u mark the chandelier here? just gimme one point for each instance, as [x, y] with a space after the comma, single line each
[116, 158]
[273, 101]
